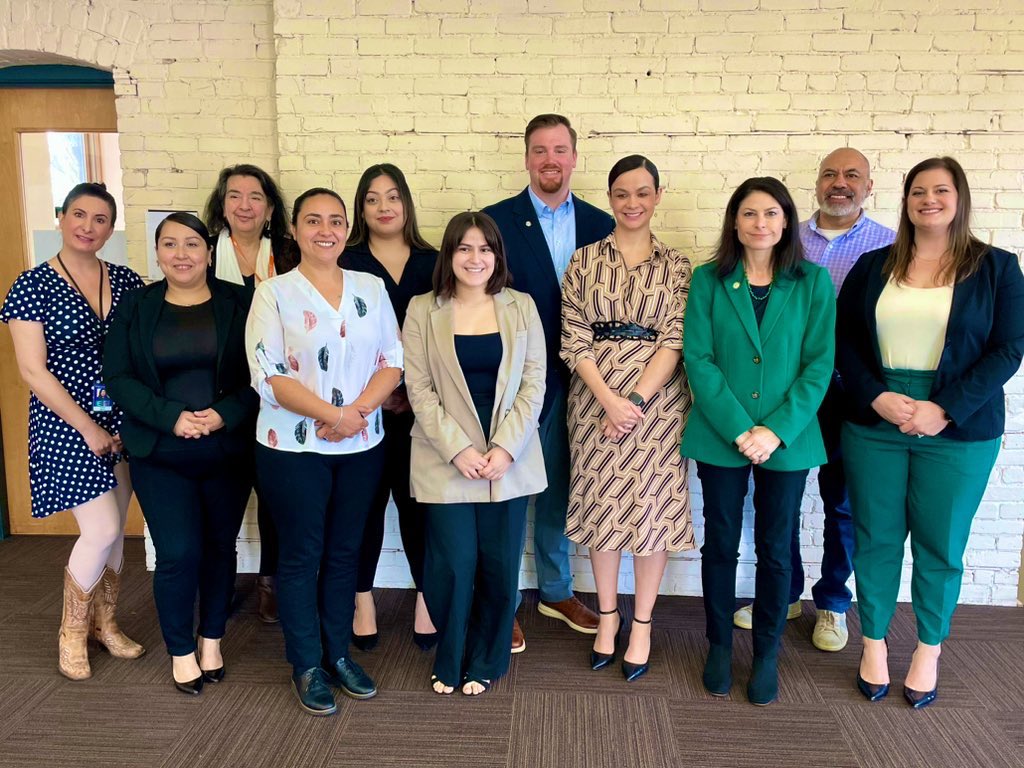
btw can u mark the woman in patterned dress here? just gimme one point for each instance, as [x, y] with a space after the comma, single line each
[622, 328]
[59, 313]
[324, 353]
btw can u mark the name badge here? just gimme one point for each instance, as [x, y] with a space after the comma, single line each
[101, 402]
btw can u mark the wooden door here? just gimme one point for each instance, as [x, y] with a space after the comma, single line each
[31, 111]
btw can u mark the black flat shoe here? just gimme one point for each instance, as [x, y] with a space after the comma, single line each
[214, 675]
[600, 660]
[311, 690]
[424, 640]
[365, 642]
[351, 679]
[919, 699]
[192, 687]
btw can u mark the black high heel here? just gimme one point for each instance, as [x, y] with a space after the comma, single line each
[921, 699]
[872, 691]
[600, 660]
[424, 640]
[365, 642]
[632, 671]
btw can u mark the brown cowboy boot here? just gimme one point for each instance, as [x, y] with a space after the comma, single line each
[104, 624]
[74, 630]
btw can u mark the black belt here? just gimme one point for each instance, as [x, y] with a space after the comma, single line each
[616, 329]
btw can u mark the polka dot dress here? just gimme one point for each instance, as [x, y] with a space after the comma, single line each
[63, 472]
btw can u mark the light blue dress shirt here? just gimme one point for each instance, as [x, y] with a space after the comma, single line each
[559, 228]
[840, 254]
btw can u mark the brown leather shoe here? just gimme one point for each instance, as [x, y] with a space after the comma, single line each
[266, 593]
[518, 639]
[572, 612]
[104, 622]
[73, 660]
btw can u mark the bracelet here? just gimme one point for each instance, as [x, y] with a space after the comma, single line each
[341, 415]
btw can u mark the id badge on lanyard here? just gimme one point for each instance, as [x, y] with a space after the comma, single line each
[101, 402]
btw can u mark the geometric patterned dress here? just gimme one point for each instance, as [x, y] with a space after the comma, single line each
[630, 495]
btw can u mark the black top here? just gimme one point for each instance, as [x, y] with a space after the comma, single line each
[185, 353]
[759, 298]
[417, 277]
[480, 359]
[983, 348]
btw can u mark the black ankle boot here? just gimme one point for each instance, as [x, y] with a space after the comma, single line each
[763, 687]
[718, 670]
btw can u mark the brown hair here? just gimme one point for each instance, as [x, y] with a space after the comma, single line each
[444, 275]
[965, 250]
[548, 120]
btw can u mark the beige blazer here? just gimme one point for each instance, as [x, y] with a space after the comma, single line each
[446, 420]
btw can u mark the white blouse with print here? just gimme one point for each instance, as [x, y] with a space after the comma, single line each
[293, 331]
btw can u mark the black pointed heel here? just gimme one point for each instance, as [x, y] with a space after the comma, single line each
[600, 660]
[365, 642]
[424, 640]
[872, 691]
[632, 671]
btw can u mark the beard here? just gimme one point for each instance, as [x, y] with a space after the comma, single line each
[550, 184]
[839, 209]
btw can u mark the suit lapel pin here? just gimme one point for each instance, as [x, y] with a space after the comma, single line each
[736, 285]
[529, 223]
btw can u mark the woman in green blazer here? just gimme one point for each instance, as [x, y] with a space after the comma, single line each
[758, 348]
[174, 361]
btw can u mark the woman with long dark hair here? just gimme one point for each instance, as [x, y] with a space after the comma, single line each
[59, 314]
[175, 363]
[385, 241]
[246, 216]
[930, 329]
[758, 347]
[324, 354]
[475, 372]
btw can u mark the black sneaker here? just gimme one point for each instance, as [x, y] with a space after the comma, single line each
[351, 679]
[312, 692]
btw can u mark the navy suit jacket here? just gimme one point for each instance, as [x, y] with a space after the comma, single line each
[533, 270]
[983, 347]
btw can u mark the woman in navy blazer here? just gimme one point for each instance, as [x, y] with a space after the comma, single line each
[930, 329]
[175, 362]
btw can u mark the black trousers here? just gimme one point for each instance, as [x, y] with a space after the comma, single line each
[268, 536]
[412, 516]
[193, 494]
[776, 511]
[319, 503]
[471, 585]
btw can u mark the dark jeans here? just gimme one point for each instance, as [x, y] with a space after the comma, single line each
[193, 495]
[830, 592]
[412, 516]
[470, 584]
[776, 510]
[319, 503]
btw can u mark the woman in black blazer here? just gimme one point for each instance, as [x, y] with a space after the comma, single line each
[929, 331]
[175, 363]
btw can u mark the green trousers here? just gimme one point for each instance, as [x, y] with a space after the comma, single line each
[929, 487]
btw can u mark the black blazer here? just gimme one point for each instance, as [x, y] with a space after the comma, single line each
[983, 349]
[130, 373]
[533, 271]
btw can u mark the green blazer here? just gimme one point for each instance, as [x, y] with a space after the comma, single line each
[742, 375]
[130, 373]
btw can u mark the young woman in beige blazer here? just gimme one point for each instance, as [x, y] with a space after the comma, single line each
[475, 366]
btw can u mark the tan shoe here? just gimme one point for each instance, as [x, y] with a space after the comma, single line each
[104, 623]
[518, 639]
[830, 633]
[73, 641]
[744, 617]
[572, 612]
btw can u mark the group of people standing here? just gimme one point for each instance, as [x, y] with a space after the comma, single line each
[342, 360]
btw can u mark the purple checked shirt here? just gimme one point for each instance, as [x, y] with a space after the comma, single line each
[840, 254]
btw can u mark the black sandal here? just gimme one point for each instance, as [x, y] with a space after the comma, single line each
[485, 684]
[435, 679]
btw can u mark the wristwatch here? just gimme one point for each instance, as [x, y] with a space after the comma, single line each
[636, 399]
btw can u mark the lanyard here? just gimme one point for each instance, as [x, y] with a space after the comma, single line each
[255, 262]
[99, 317]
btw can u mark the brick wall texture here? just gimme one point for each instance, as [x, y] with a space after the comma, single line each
[713, 91]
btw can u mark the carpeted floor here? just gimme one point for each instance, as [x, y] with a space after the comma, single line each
[551, 711]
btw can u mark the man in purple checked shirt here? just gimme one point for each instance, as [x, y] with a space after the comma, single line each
[834, 237]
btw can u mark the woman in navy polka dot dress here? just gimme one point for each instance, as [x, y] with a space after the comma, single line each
[58, 314]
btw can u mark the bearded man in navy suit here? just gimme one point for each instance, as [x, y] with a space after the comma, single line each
[541, 227]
